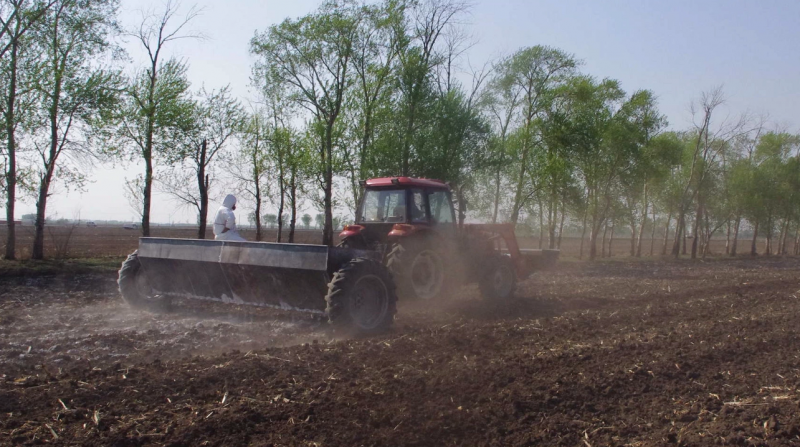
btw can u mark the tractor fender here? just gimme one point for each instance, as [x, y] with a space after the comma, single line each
[350, 231]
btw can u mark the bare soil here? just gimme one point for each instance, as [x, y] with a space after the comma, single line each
[613, 353]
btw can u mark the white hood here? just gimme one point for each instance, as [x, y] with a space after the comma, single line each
[229, 201]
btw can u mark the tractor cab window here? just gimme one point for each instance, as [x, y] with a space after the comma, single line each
[384, 206]
[441, 209]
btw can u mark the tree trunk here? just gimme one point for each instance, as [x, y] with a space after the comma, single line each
[462, 206]
[666, 234]
[281, 204]
[683, 229]
[706, 249]
[728, 238]
[784, 236]
[676, 243]
[256, 178]
[147, 193]
[496, 196]
[281, 186]
[644, 222]
[561, 226]
[327, 231]
[293, 203]
[44, 188]
[768, 241]
[406, 154]
[148, 150]
[202, 184]
[632, 227]
[583, 231]
[49, 168]
[362, 156]
[541, 226]
[735, 241]
[753, 248]
[603, 242]
[518, 193]
[11, 173]
[680, 236]
[551, 224]
[653, 233]
[698, 216]
[797, 240]
[41, 207]
[611, 239]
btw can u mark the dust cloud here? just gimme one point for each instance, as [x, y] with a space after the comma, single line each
[63, 321]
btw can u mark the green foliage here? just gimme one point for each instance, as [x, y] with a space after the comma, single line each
[765, 186]
[310, 58]
[355, 90]
[169, 112]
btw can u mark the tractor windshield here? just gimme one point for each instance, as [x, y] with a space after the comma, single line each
[384, 206]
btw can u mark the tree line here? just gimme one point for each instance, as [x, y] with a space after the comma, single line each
[355, 90]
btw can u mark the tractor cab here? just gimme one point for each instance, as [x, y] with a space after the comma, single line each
[411, 225]
[395, 207]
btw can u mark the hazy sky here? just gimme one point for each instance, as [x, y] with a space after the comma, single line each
[675, 48]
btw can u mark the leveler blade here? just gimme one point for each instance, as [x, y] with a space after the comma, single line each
[287, 276]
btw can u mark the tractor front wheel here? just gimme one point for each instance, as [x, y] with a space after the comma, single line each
[499, 278]
[362, 296]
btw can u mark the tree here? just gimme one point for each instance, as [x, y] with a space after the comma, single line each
[608, 132]
[249, 166]
[765, 183]
[311, 56]
[458, 140]
[377, 41]
[653, 160]
[18, 18]
[501, 101]
[418, 56]
[298, 162]
[708, 143]
[73, 93]
[530, 76]
[216, 117]
[287, 151]
[306, 221]
[157, 110]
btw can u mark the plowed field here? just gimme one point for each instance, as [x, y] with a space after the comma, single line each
[614, 353]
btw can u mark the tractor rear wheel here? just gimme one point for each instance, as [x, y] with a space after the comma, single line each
[419, 269]
[499, 278]
[135, 288]
[362, 296]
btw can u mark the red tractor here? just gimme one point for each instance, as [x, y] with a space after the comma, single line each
[411, 223]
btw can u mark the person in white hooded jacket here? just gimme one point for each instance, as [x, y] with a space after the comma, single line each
[225, 221]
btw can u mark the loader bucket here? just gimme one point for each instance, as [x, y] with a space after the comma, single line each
[286, 276]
